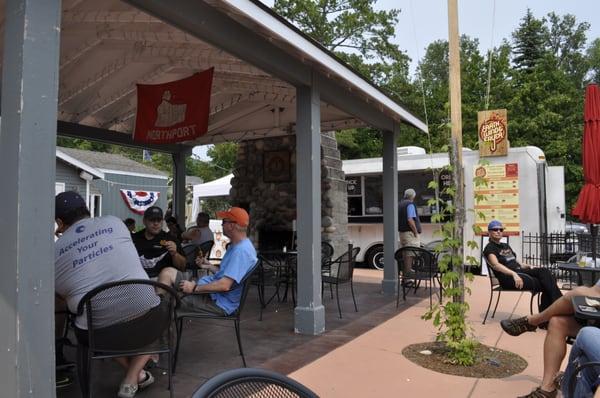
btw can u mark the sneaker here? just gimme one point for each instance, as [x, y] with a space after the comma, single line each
[148, 379]
[518, 326]
[127, 390]
[539, 393]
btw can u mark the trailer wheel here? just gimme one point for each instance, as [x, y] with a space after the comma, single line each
[374, 257]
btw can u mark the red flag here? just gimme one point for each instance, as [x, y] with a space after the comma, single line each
[175, 111]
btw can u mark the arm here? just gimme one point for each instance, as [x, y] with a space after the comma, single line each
[178, 259]
[413, 226]
[495, 264]
[201, 262]
[191, 234]
[222, 285]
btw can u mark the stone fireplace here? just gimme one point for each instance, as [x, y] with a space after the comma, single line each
[265, 183]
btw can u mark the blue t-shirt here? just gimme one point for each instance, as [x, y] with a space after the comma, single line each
[236, 263]
[411, 212]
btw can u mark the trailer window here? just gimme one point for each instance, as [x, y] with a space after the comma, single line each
[373, 195]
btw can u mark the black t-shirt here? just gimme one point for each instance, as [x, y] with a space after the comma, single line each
[156, 256]
[505, 255]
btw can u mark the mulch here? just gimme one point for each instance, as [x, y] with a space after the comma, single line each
[490, 363]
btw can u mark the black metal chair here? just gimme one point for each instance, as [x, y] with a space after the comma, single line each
[495, 287]
[425, 267]
[251, 382]
[191, 251]
[341, 271]
[133, 334]
[235, 317]
[326, 252]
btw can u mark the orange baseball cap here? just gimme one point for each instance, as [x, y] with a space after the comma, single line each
[237, 214]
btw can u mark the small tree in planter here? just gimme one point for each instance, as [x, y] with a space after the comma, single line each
[450, 316]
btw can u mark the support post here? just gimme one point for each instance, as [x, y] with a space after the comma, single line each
[456, 123]
[179, 191]
[309, 315]
[389, 284]
[28, 161]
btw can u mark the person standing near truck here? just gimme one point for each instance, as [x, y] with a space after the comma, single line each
[409, 227]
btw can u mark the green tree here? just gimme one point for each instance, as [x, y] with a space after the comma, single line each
[529, 42]
[593, 61]
[363, 37]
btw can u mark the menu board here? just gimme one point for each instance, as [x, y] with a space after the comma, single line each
[501, 197]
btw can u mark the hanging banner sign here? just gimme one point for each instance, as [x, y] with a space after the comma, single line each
[492, 127]
[500, 197]
[139, 201]
[175, 111]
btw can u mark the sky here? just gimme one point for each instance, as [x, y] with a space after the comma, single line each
[424, 21]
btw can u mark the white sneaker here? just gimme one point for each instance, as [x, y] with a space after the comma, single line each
[127, 390]
[149, 379]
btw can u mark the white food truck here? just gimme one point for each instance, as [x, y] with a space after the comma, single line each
[538, 196]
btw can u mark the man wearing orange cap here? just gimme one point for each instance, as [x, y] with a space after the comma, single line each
[220, 292]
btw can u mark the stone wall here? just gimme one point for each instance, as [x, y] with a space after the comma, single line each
[272, 205]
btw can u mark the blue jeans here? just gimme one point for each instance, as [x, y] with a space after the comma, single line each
[586, 349]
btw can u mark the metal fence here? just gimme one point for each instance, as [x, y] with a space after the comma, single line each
[548, 249]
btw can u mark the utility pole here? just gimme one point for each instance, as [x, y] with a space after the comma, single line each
[456, 154]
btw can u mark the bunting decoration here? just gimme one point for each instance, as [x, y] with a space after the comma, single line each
[139, 201]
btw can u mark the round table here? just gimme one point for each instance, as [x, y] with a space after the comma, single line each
[573, 267]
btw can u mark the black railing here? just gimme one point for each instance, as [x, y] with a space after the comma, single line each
[548, 249]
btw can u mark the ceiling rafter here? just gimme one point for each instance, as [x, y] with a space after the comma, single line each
[108, 17]
[125, 92]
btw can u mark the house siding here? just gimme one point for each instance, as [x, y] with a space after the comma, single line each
[70, 176]
[113, 203]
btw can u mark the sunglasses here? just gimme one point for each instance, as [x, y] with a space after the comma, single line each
[227, 222]
[497, 229]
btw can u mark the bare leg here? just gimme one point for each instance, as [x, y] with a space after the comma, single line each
[555, 347]
[136, 366]
[167, 276]
[563, 305]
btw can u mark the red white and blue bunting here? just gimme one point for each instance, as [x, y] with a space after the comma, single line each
[139, 201]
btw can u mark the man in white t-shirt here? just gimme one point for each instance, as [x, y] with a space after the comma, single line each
[201, 232]
[93, 251]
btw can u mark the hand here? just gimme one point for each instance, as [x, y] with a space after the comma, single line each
[187, 286]
[518, 281]
[202, 262]
[171, 247]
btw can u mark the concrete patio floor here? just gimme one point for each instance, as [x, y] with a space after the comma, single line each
[358, 356]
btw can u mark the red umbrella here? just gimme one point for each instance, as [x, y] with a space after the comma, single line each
[587, 208]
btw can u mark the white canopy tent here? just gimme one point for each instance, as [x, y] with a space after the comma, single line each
[216, 188]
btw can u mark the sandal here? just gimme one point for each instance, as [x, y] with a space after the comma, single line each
[518, 326]
[539, 393]
[558, 379]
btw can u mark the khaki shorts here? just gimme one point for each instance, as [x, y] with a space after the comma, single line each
[409, 239]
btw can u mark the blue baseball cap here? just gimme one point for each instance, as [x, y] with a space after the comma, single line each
[494, 224]
[64, 202]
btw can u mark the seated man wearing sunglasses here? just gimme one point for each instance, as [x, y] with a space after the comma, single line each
[513, 275]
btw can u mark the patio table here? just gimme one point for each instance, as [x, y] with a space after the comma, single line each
[284, 263]
[580, 271]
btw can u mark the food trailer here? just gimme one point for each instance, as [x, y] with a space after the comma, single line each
[523, 192]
